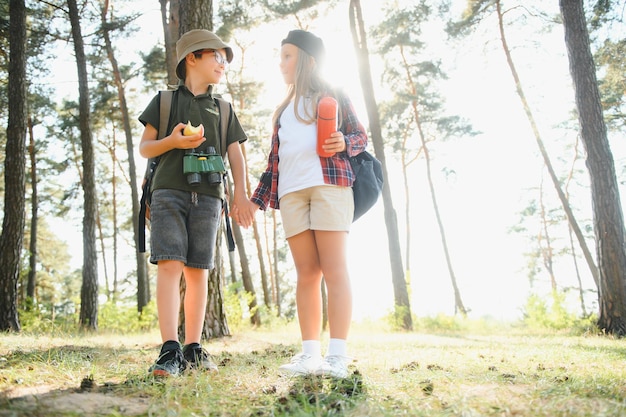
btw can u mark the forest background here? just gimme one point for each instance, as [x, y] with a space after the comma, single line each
[505, 230]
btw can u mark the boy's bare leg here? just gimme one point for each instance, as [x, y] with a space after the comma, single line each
[195, 303]
[168, 298]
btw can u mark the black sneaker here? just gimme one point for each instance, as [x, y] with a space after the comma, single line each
[198, 358]
[171, 361]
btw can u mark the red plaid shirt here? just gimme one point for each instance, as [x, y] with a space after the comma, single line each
[336, 169]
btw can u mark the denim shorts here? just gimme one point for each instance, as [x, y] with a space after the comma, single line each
[324, 207]
[183, 227]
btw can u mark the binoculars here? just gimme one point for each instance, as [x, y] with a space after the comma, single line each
[197, 163]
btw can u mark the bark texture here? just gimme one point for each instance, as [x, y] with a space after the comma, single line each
[607, 211]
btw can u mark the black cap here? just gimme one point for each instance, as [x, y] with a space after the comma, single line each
[308, 42]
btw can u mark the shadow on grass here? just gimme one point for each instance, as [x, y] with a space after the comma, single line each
[313, 395]
[44, 382]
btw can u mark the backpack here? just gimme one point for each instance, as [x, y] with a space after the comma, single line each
[368, 182]
[146, 194]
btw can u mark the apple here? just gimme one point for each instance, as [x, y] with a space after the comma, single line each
[191, 130]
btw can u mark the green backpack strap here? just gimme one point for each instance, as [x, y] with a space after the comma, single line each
[224, 107]
[164, 113]
[144, 210]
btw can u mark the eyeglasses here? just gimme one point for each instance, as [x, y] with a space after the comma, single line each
[218, 57]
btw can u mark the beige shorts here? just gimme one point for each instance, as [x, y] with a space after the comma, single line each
[324, 207]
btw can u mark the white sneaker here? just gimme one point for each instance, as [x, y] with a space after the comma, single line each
[334, 366]
[301, 364]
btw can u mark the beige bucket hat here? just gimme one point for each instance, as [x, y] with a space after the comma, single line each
[197, 39]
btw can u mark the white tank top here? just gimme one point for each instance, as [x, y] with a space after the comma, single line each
[298, 164]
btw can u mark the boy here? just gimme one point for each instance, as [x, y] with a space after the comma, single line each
[185, 214]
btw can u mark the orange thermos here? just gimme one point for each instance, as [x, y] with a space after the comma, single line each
[326, 123]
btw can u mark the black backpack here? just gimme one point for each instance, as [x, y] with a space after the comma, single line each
[146, 194]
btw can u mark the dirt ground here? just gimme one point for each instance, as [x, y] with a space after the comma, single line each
[92, 401]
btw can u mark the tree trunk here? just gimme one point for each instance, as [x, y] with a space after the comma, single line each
[547, 254]
[546, 158]
[215, 323]
[459, 306]
[113, 149]
[267, 292]
[232, 263]
[267, 296]
[214, 326]
[402, 302]
[100, 239]
[607, 211]
[89, 289]
[34, 208]
[246, 276]
[407, 207]
[198, 14]
[581, 291]
[277, 286]
[170, 35]
[14, 170]
[143, 286]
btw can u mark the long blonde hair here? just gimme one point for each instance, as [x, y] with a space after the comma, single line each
[308, 83]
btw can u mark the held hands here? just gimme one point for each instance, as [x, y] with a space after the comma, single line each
[243, 211]
[335, 143]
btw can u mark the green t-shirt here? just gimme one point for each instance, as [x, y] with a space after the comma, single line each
[200, 109]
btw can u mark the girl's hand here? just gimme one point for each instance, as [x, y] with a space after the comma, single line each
[243, 213]
[335, 143]
[240, 211]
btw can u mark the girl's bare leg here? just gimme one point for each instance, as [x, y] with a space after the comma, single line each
[308, 288]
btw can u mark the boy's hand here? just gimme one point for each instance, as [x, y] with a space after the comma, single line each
[182, 141]
[243, 211]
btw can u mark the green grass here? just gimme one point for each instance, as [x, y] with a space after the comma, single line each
[501, 372]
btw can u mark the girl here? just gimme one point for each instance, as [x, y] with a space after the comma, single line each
[316, 202]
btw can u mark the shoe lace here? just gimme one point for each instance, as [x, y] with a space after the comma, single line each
[300, 357]
[196, 354]
[337, 360]
[200, 354]
[169, 355]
